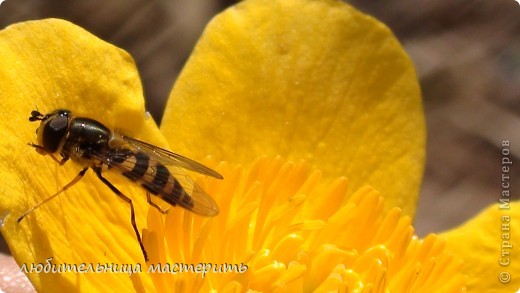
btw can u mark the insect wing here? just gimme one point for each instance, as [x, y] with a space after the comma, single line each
[144, 170]
[169, 158]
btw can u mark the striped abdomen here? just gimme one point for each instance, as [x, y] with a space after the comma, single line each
[153, 176]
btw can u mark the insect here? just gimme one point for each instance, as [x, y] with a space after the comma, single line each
[94, 146]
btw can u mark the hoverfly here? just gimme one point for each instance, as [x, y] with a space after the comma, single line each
[93, 145]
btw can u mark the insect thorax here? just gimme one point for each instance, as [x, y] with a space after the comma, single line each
[85, 138]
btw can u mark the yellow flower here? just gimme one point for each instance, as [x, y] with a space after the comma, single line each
[313, 80]
[294, 236]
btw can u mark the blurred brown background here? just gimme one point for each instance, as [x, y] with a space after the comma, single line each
[467, 55]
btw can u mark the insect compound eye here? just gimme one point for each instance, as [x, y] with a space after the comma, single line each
[53, 130]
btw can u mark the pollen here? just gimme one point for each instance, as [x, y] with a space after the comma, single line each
[282, 227]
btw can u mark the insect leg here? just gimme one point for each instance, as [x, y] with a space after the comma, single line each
[74, 181]
[41, 150]
[153, 204]
[129, 201]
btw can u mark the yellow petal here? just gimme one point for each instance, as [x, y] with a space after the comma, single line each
[489, 244]
[305, 79]
[53, 64]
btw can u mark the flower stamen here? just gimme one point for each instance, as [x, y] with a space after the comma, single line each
[294, 233]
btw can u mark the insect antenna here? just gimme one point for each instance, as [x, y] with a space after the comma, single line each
[35, 116]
